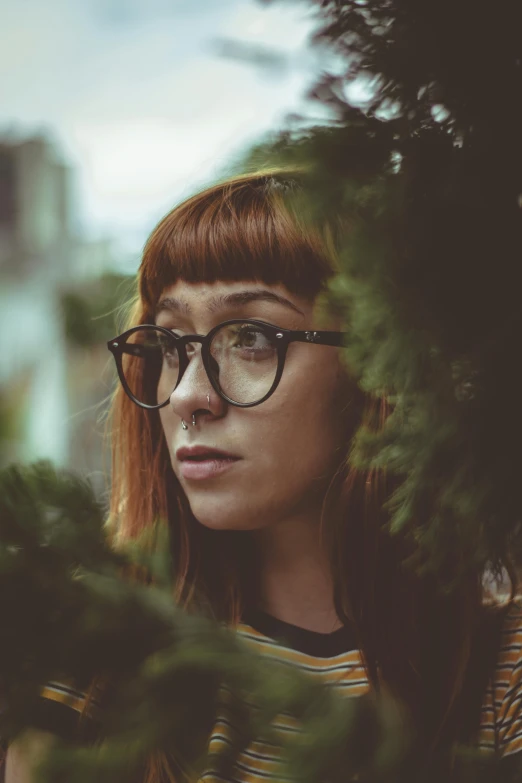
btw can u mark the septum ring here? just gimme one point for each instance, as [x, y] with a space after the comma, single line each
[194, 415]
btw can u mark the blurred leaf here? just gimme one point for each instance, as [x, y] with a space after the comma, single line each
[91, 313]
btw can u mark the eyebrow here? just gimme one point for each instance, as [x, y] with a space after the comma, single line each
[223, 301]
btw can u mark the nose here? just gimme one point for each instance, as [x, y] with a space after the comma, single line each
[194, 391]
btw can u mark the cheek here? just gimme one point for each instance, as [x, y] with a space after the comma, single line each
[168, 424]
[164, 419]
[311, 392]
[302, 425]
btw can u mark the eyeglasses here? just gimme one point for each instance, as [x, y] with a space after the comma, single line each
[244, 360]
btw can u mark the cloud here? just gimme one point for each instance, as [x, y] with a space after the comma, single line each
[141, 104]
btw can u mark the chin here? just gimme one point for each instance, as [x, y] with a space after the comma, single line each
[221, 521]
[222, 524]
[220, 515]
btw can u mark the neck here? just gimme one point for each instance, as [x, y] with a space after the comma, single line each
[295, 578]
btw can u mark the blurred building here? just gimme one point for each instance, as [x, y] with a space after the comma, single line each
[41, 256]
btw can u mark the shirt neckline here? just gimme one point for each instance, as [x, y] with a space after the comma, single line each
[313, 643]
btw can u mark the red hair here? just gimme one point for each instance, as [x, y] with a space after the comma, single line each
[244, 229]
[412, 639]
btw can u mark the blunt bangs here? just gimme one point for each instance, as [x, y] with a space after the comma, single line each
[243, 229]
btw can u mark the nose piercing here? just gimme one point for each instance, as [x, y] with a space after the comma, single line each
[193, 419]
[208, 400]
[183, 424]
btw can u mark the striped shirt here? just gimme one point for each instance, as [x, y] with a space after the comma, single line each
[501, 719]
[333, 659]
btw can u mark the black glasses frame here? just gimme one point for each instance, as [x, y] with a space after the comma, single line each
[281, 338]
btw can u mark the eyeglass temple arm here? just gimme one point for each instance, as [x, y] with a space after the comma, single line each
[320, 338]
[134, 349]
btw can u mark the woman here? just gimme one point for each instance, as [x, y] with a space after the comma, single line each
[238, 436]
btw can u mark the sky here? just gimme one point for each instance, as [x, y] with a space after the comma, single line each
[138, 100]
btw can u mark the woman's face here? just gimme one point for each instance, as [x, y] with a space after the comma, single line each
[284, 450]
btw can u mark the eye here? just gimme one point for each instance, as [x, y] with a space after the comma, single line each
[249, 336]
[167, 346]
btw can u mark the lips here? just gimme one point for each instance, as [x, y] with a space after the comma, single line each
[203, 462]
[199, 453]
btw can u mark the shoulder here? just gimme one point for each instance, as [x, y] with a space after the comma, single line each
[24, 755]
[508, 671]
[503, 702]
[69, 711]
[63, 711]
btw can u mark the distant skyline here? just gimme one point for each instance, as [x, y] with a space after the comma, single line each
[137, 100]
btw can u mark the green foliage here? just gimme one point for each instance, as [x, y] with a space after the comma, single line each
[68, 611]
[90, 314]
[422, 185]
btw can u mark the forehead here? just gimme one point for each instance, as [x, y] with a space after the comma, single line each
[200, 298]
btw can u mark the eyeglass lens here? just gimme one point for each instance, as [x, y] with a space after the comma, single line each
[244, 361]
